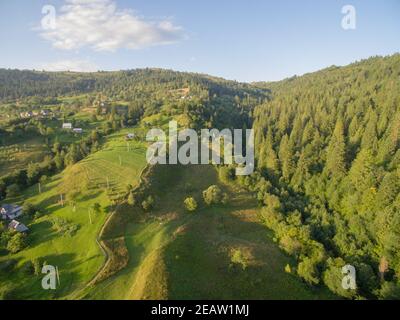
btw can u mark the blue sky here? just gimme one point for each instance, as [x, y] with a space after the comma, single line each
[245, 40]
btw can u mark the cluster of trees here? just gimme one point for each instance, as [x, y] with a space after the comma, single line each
[60, 157]
[328, 162]
[12, 241]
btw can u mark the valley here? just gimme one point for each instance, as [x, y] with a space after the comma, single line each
[324, 194]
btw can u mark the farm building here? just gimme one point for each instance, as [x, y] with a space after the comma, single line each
[10, 211]
[130, 136]
[17, 226]
[67, 126]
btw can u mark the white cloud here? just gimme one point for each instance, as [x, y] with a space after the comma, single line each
[70, 65]
[101, 26]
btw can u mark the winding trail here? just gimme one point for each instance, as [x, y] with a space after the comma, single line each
[76, 295]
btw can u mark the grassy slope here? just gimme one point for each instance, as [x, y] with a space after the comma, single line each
[172, 254]
[17, 152]
[78, 257]
[177, 255]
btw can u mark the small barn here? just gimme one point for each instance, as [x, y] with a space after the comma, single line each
[18, 226]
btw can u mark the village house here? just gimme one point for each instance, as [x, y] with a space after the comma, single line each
[45, 112]
[18, 226]
[10, 211]
[77, 130]
[67, 126]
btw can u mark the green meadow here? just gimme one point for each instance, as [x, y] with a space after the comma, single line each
[99, 178]
[221, 252]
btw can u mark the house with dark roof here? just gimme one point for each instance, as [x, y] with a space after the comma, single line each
[18, 226]
[10, 211]
[45, 112]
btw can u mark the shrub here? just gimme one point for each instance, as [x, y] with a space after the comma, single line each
[214, 195]
[190, 204]
[17, 243]
[148, 203]
[307, 270]
[65, 227]
[131, 199]
[239, 259]
[37, 267]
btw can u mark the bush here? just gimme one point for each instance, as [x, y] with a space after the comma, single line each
[37, 266]
[17, 243]
[239, 259]
[307, 270]
[65, 227]
[214, 195]
[148, 203]
[190, 204]
[131, 199]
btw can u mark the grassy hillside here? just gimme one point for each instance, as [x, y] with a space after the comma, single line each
[76, 254]
[178, 255]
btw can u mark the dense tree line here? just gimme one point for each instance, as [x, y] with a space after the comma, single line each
[328, 176]
[125, 85]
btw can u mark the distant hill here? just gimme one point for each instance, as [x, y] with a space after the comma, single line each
[17, 84]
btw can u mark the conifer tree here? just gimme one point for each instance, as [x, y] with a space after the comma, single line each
[336, 152]
[286, 157]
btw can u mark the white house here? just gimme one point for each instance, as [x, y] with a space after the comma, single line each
[77, 130]
[67, 126]
[28, 114]
[10, 211]
[18, 226]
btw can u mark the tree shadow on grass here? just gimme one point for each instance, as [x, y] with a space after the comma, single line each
[200, 265]
[29, 285]
[91, 196]
[41, 232]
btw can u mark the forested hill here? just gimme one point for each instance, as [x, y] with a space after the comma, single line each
[328, 150]
[126, 85]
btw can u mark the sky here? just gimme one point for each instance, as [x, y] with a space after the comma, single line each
[244, 40]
